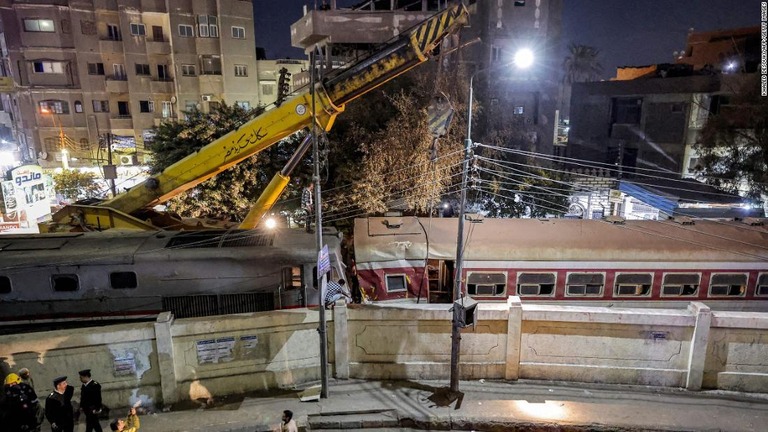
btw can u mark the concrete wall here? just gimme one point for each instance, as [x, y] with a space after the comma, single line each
[202, 358]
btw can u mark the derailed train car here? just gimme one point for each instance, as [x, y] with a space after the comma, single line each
[118, 275]
[577, 262]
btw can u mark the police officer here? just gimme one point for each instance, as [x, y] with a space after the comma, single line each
[90, 401]
[58, 406]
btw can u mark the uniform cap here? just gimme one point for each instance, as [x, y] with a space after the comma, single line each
[57, 381]
[12, 378]
[85, 373]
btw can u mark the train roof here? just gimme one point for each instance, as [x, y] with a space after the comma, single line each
[379, 239]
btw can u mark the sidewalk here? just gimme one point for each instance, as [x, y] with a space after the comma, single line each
[486, 406]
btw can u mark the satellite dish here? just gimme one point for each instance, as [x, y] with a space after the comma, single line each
[43, 155]
[173, 99]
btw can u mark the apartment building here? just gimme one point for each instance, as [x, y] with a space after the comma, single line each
[85, 68]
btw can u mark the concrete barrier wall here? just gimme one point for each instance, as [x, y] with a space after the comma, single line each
[172, 360]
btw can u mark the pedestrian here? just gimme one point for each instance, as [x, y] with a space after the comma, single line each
[307, 205]
[335, 291]
[26, 377]
[90, 401]
[58, 406]
[288, 424]
[21, 402]
[121, 426]
[132, 421]
[355, 283]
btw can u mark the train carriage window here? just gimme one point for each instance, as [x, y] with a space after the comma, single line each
[396, 283]
[536, 284]
[679, 284]
[491, 284]
[633, 284]
[762, 285]
[585, 284]
[728, 284]
[65, 282]
[123, 280]
[292, 277]
[5, 285]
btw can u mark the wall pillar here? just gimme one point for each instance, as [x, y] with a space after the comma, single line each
[514, 333]
[165, 359]
[341, 339]
[697, 354]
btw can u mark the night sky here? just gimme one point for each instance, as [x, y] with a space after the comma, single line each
[627, 32]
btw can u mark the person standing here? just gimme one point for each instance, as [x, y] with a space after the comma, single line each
[90, 401]
[307, 204]
[22, 404]
[58, 406]
[288, 424]
[26, 377]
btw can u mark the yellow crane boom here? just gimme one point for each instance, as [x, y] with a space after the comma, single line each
[265, 130]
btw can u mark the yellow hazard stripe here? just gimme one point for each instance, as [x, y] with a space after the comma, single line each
[430, 30]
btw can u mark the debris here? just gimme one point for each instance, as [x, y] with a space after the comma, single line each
[311, 394]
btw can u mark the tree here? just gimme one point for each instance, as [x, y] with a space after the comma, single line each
[229, 195]
[581, 64]
[76, 185]
[733, 145]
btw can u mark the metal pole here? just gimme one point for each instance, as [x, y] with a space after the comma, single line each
[455, 331]
[109, 162]
[318, 232]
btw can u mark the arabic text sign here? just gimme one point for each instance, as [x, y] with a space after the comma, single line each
[244, 140]
[323, 262]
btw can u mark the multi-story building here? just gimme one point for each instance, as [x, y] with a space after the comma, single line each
[85, 68]
[268, 73]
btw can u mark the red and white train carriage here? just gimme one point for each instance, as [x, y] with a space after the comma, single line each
[584, 262]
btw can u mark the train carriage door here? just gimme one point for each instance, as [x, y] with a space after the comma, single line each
[439, 281]
[291, 293]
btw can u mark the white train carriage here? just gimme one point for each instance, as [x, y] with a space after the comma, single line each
[130, 275]
[582, 262]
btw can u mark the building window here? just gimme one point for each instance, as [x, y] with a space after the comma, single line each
[761, 289]
[243, 104]
[87, 27]
[51, 145]
[678, 284]
[66, 27]
[210, 65]
[119, 70]
[188, 70]
[518, 110]
[626, 110]
[5, 285]
[186, 30]
[95, 68]
[162, 73]
[167, 111]
[39, 25]
[123, 280]
[495, 53]
[292, 278]
[65, 282]
[190, 106]
[267, 89]
[123, 109]
[54, 106]
[238, 32]
[633, 284]
[146, 106]
[48, 67]
[142, 69]
[113, 32]
[728, 284]
[100, 106]
[84, 145]
[486, 284]
[241, 70]
[536, 284]
[396, 283]
[519, 2]
[585, 284]
[138, 29]
[78, 107]
[157, 34]
[207, 26]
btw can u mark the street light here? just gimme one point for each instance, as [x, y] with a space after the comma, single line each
[64, 153]
[523, 59]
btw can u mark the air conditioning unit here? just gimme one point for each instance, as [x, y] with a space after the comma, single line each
[207, 98]
[127, 160]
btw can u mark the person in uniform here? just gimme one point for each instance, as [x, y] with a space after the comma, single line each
[90, 401]
[58, 406]
[22, 403]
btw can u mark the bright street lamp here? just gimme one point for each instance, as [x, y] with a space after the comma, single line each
[523, 59]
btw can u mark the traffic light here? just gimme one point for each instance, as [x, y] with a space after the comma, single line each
[283, 86]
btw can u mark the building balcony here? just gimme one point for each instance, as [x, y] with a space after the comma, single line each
[158, 48]
[111, 46]
[117, 84]
[162, 86]
[121, 122]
